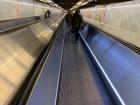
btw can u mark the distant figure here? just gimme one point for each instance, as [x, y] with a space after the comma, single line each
[47, 14]
[69, 21]
[76, 23]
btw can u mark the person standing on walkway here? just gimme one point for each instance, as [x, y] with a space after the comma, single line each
[47, 14]
[76, 23]
[69, 21]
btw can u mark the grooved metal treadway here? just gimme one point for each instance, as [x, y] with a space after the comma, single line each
[77, 85]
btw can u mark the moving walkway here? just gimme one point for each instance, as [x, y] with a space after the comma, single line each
[98, 70]
[93, 71]
[22, 42]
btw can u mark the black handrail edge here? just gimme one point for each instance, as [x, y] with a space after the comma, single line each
[58, 83]
[20, 26]
[60, 72]
[21, 18]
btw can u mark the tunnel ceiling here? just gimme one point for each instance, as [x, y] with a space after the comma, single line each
[67, 4]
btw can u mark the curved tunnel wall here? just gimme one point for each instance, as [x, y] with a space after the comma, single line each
[121, 20]
[20, 48]
[15, 9]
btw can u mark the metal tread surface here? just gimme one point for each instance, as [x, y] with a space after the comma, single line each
[77, 85]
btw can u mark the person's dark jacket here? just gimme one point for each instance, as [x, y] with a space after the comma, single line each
[47, 14]
[69, 17]
[76, 21]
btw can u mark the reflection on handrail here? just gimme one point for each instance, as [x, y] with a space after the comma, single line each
[119, 98]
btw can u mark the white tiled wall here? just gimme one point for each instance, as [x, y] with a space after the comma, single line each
[14, 9]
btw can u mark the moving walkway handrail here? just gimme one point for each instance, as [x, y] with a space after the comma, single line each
[46, 86]
[24, 98]
[127, 44]
[22, 26]
[16, 96]
[118, 99]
